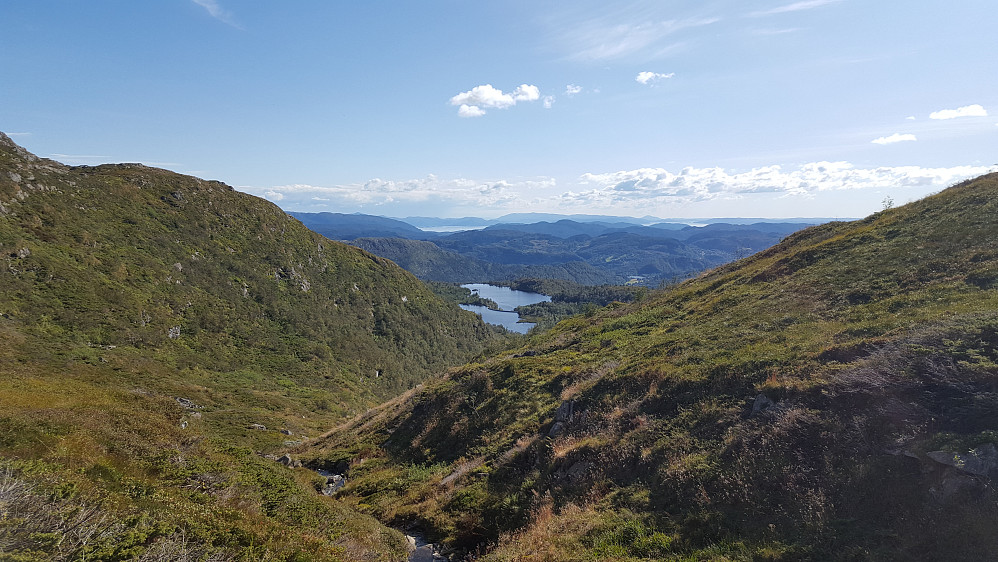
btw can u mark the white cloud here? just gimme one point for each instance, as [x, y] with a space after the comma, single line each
[975, 110]
[470, 111]
[896, 137]
[572, 89]
[910, 118]
[548, 101]
[795, 7]
[648, 77]
[641, 188]
[274, 195]
[525, 92]
[217, 12]
[471, 102]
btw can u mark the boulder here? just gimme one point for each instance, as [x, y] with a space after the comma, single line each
[979, 462]
[761, 404]
[289, 462]
[557, 429]
[565, 411]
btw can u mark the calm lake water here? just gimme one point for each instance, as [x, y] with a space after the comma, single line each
[507, 299]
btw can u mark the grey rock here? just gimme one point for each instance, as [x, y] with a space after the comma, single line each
[578, 470]
[187, 403]
[565, 411]
[333, 484]
[257, 426]
[951, 484]
[557, 429]
[761, 404]
[979, 462]
[287, 432]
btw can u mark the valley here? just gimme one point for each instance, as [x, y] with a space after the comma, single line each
[184, 366]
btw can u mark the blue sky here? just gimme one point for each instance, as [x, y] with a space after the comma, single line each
[775, 108]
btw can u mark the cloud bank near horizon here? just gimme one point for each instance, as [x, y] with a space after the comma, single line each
[636, 192]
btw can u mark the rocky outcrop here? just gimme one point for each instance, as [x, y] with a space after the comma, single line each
[982, 461]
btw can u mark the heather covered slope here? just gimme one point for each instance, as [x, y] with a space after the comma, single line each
[834, 397]
[125, 288]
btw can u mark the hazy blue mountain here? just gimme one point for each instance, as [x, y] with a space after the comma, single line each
[340, 226]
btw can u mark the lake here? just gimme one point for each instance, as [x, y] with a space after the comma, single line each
[507, 299]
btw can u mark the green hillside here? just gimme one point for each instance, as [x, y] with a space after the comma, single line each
[157, 332]
[833, 397]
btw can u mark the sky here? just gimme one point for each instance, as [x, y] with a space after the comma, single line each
[666, 108]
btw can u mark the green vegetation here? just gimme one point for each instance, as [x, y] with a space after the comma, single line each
[832, 397]
[159, 332]
[431, 262]
[569, 299]
[460, 295]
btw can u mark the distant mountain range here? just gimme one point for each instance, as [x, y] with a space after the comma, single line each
[586, 249]
[431, 223]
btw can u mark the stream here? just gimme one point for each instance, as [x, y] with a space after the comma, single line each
[421, 550]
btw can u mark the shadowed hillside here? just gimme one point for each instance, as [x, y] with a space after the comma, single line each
[833, 397]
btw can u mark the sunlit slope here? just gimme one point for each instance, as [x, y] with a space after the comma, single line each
[149, 319]
[822, 399]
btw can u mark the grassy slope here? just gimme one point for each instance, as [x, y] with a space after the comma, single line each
[124, 287]
[875, 340]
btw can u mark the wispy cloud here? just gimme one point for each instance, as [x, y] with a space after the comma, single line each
[548, 101]
[572, 89]
[795, 7]
[775, 31]
[18, 134]
[597, 40]
[77, 157]
[975, 110]
[217, 12]
[472, 102]
[896, 137]
[647, 77]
